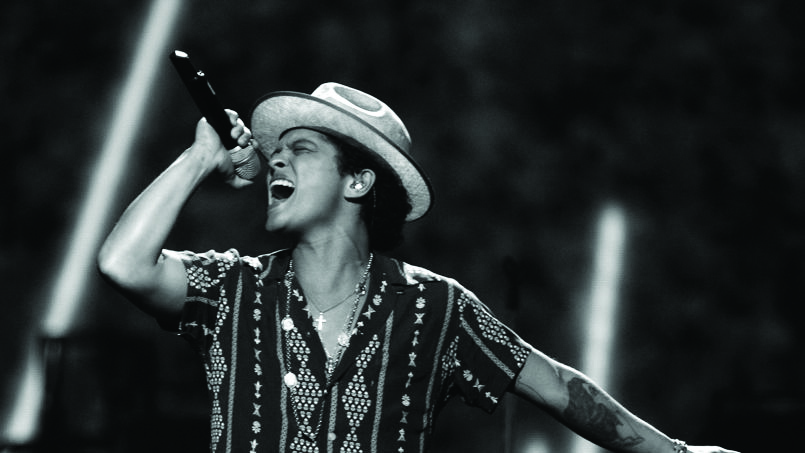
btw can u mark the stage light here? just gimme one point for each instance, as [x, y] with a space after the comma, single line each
[78, 265]
[602, 317]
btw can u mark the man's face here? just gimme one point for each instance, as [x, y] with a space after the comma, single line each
[305, 188]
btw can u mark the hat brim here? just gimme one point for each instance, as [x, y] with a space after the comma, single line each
[279, 111]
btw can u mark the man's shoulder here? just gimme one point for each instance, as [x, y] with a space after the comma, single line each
[271, 265]
[259, 263]
[412, 275]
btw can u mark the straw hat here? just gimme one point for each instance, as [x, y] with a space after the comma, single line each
[352, 113]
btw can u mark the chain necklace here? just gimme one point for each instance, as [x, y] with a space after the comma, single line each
[287, 325]
[359, 290]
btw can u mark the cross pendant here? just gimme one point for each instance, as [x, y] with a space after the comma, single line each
[319, 322]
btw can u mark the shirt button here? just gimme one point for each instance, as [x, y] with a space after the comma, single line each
[331, 437]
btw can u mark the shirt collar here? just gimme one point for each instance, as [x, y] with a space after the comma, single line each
[388, 269]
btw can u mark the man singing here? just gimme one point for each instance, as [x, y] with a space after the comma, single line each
[330, 345]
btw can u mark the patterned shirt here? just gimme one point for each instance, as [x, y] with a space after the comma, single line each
[420, 339]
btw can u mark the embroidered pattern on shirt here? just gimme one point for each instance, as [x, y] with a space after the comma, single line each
[406, 400]
[306, 395]
[449, 361]
[492, 330]
[216, 371]
[356, 400]
[429, 340]
[257, 315]
[216, 367]
[200, 279]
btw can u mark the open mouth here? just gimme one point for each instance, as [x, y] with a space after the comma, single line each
[281, 189]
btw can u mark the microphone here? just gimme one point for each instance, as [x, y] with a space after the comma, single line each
[246, 160]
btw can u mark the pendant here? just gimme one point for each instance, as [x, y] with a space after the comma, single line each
[287, 324]
[290, 380]
[318, 323]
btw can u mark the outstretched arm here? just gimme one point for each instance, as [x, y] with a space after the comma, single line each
[131, 258]
[577, 402]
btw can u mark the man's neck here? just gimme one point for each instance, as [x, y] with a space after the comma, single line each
[329, 268]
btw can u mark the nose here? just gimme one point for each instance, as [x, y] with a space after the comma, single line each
[278, 159]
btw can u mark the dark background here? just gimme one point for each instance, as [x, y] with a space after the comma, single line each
[529, 117]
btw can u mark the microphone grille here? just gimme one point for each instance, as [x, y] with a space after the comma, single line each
[246, 162]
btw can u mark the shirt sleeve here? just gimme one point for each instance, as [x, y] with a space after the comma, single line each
[489, 354]
[209, 278]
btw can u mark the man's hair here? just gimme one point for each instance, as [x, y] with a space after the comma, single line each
[385, 207]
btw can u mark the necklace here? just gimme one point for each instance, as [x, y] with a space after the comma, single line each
[318, 323]
[347, 332]
[290, 379]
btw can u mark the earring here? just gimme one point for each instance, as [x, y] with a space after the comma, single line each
[357, 185]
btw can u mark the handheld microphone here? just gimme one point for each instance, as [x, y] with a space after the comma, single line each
[246, 160]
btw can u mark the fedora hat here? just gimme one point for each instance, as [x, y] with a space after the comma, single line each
[351, 113]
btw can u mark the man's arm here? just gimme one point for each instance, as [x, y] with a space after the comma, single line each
[131, 258]
[577, 402]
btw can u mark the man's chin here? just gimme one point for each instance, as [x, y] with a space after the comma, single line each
[276, 225]
[271, 224]
[273, 227]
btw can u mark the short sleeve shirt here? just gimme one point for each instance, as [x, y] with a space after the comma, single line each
[420, 339]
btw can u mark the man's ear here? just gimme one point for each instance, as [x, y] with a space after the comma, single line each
[359, 184]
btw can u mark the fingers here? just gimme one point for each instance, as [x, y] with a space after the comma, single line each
[225, 161]
[237, 182]
[239, 132]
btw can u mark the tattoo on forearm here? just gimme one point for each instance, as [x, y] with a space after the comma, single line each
[587, 407]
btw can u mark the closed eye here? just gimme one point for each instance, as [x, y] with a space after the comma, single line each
[302, 145]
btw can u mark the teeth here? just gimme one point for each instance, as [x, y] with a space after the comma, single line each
[281, 189]
[283, 183]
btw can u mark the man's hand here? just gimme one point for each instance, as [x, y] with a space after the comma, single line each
[208, 149]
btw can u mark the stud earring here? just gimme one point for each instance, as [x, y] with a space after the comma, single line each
[357, 185]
